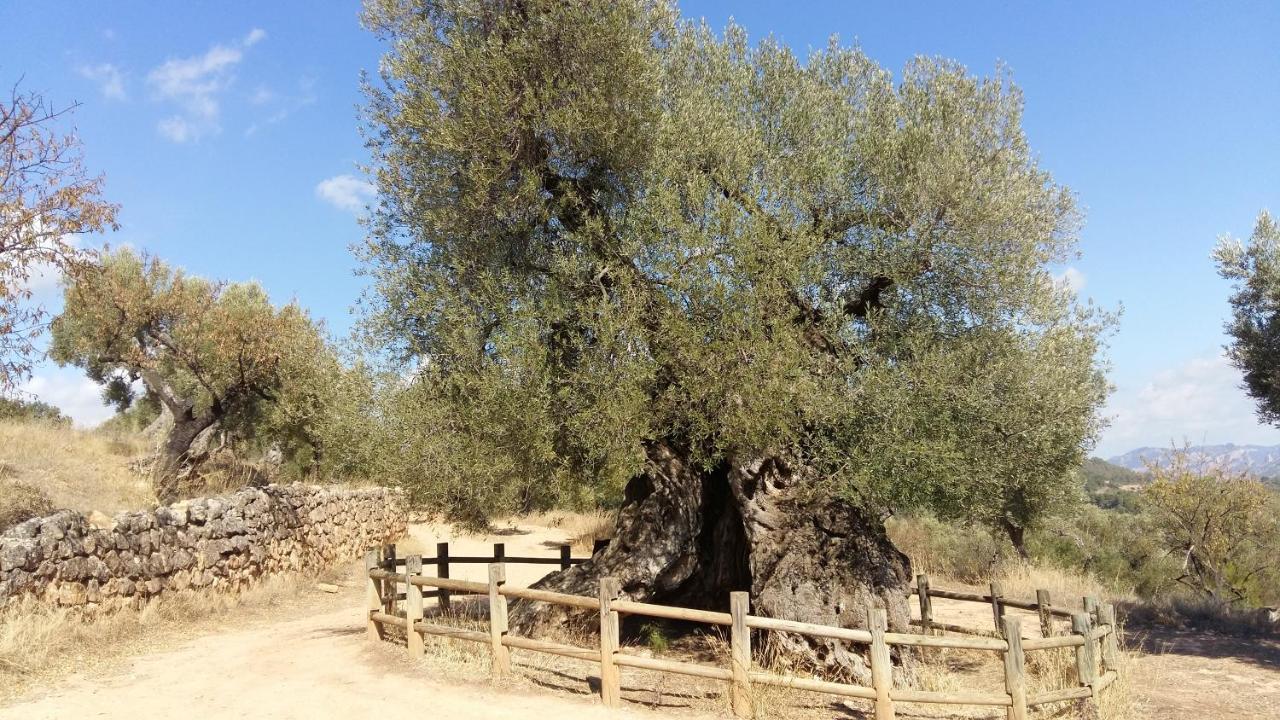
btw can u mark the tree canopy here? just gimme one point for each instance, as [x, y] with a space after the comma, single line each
[1254, 268]
[210, 352]
[46, 199]
[601, 227]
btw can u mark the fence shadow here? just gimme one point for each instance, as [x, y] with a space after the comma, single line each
[1158, 640]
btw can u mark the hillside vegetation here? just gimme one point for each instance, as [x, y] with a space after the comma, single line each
[81, 470]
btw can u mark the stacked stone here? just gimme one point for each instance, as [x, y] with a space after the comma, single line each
[219, 543]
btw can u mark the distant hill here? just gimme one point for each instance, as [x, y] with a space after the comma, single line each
[1259, 460]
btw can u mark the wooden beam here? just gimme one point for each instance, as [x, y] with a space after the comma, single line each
[1015, 670]
[413, 607]
[1045, 608]
[442, 570]
[373, 595]
[498, 620]
[926, 604]
[740, 651]
[610, 631]
[881, 662]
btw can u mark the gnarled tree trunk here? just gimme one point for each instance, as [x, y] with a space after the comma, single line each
[688, 536]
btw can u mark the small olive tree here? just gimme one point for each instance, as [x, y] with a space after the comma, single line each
[1224, 528]
[211, 353]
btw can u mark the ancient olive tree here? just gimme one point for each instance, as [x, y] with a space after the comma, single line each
[1254, 268]
[764, 299]
[46, 199]
[213, 354]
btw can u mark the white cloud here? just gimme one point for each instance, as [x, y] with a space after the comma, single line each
[1199, 402]
[109, 78]
[1070, 278]
[279, 106]
[195, 85]
[75, 395]
[345, 192]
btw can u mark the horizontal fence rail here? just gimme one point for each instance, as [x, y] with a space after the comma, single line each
[1093, 635]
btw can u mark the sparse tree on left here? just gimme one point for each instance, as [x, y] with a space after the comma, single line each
[46, 200]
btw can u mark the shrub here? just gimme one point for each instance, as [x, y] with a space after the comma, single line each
[20, 502]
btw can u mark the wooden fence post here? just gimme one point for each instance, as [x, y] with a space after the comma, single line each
[1015, 669]
[565, 556]
[498, 620]
[442, 570]
[926, 604]
[1110, 641]
[881, 662]
[1091, 607]
[740, 651]
[997, 610]
[1081, 624]
[413, 606]
[1045, 607]
[373, 595]
[610, 681]
[499, 552]
[389, 585]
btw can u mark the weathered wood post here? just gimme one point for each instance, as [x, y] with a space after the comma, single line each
[1015, 669]
[997, 608]
[1045, 607]
[926, 604]
[413, 607]
[373, 595]
[740, 651]
[498, 627]
[565, 556]
[881, 662]
[389, 590]
[499, 552]
[1091, 607]
[442, 570]
[1111, 641]
[1086, 665]
[610, 631]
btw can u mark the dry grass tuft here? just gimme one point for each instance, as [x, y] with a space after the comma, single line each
[76, 469]
[40, 643]
[19, 502]
[583, 528]
[1066, 588]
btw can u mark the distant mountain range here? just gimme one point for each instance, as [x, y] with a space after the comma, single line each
[1260, 460]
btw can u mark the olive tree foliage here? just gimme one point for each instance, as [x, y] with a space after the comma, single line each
[46, 200]
[1254, 269]
[601, 227]
[215, 355]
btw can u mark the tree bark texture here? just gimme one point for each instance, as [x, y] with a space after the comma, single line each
[688, 536]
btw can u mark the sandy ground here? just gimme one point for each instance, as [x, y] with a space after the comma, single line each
[319, 666]
[322, 666]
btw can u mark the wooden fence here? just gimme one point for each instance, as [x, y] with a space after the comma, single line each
[1093, 635]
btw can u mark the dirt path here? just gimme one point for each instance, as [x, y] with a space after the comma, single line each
[321, 666]
[315, 667]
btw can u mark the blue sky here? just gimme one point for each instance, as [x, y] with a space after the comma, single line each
[228, 132]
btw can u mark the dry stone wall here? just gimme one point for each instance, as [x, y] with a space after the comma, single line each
[217, 543]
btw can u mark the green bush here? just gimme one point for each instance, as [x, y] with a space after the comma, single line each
[19, 409]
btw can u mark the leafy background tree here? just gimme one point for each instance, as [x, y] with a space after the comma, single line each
[621, 255]
[46, 200]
